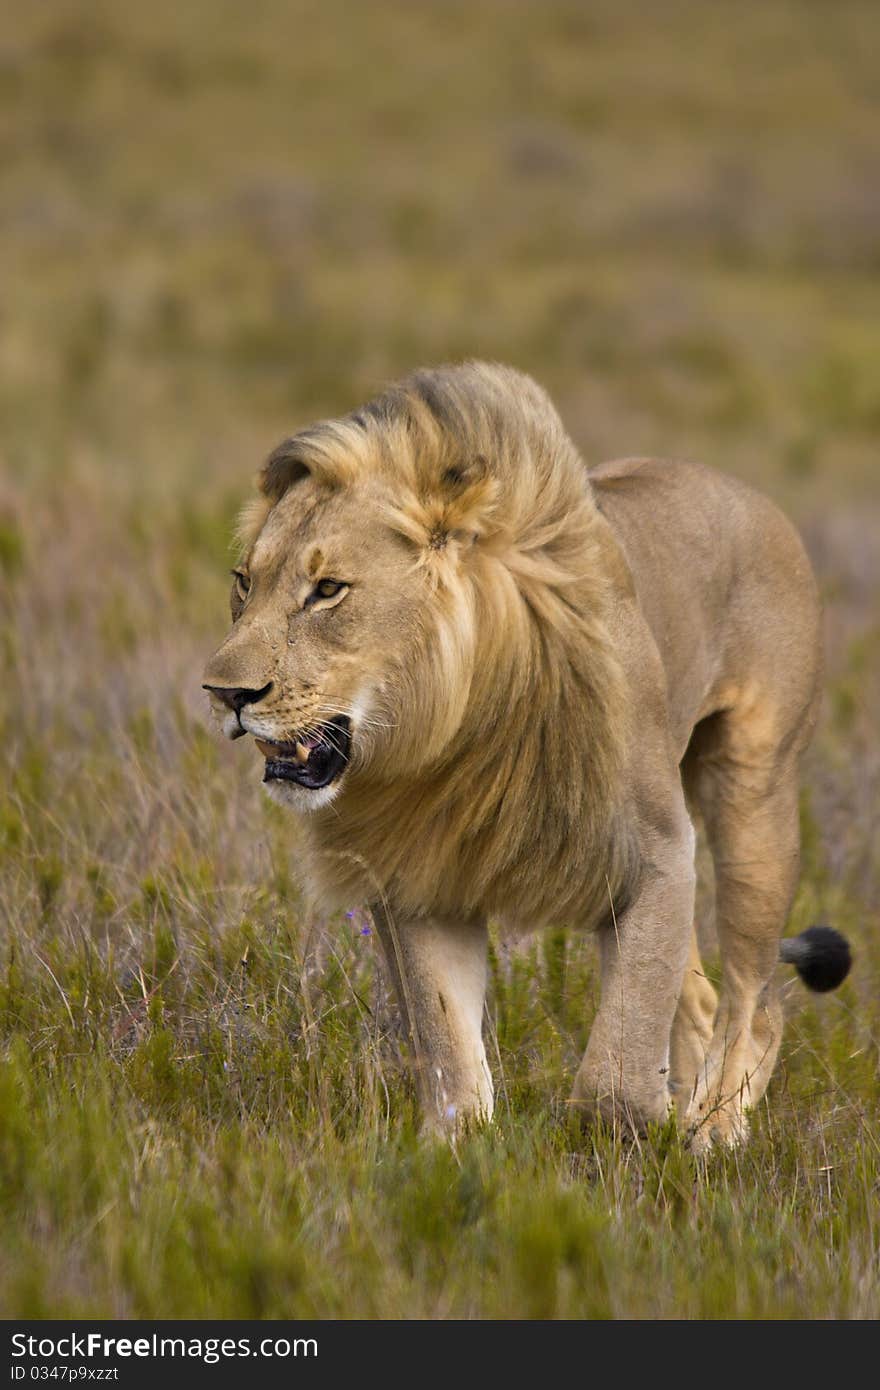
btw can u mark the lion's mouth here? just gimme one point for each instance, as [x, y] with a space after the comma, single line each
[314, 760]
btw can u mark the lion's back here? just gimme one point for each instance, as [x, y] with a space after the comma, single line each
[722, 578]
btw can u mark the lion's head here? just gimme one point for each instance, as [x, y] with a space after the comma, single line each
[418, 588]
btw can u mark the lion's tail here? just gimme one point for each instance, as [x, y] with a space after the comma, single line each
[820, 955]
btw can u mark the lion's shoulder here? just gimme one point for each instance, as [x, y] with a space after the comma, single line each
[706, 518]
[647, 475]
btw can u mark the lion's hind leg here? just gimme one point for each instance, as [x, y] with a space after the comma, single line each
[746, 785]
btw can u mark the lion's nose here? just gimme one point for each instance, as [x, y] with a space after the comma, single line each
[236, 697]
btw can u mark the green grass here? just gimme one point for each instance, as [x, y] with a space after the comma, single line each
[215, 226]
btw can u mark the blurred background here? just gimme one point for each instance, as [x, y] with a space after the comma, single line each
[219, 221]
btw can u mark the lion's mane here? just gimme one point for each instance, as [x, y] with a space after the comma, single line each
[512, 722]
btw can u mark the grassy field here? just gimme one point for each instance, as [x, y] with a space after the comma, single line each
[217, 222]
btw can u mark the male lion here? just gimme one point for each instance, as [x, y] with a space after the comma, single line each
[492, 681]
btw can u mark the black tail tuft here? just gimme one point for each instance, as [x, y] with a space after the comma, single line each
[820, 955]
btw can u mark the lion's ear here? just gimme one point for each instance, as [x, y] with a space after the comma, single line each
[458, 476]
[457, 505]
[465, 500]
[284, 467]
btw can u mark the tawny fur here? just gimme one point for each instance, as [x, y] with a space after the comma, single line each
[538, 662]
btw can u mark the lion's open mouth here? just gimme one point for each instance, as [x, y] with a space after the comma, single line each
[314, 760]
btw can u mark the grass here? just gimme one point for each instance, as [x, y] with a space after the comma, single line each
[215, 227]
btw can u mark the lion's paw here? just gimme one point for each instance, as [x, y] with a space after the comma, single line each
[722, 1128]
[715, 1121]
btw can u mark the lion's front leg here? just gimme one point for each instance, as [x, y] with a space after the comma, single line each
[440, 971]
[624, 1076]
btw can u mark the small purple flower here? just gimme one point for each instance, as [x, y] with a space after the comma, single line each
[360, 920]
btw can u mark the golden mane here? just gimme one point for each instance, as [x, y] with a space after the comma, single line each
[517, 709]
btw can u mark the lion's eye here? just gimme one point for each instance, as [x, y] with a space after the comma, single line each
[242, 584]
[327, 589]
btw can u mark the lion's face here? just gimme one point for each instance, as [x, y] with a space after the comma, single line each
[421, 650]
[398, 559]
[326, 610]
